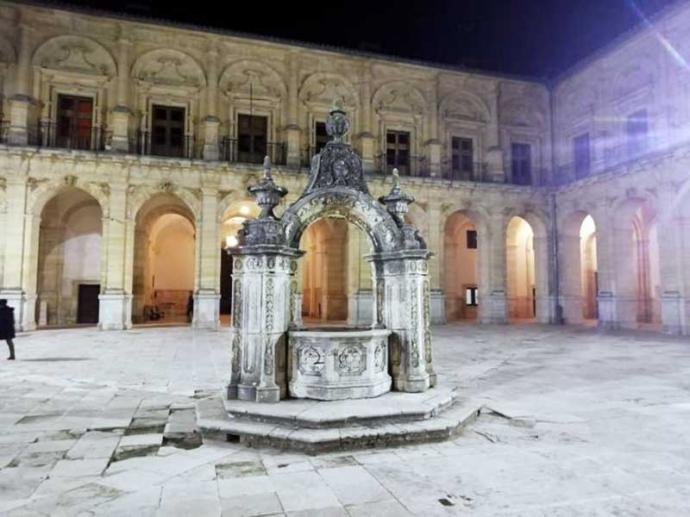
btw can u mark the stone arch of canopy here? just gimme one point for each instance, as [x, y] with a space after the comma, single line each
[356, 207]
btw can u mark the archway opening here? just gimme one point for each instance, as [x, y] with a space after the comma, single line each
[460, 268]
[164, 262]
[589, 283]
[520, 273]
[335, 279]
[69, 260]
[233, 219]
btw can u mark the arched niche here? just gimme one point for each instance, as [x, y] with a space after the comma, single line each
[169, 67]
[75, 54]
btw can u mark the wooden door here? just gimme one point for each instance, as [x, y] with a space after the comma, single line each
[87, 303]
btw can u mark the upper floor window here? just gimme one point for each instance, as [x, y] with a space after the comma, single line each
[320, 136]
[636, 128]
[581, 153]
[521, 156]
[252, 138]
[398, 151]
[462, 157]
[471, 239]
[74, 122]
[167, 131]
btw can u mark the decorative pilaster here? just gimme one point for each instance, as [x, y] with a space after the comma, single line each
[367, 141]
[212, 122]
[495, 160]
[292, 130]
[433, 144]
[21, 101]
[121, 115]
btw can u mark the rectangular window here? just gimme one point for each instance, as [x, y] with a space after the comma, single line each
[398, 151]
[167, 131]
[581, 155]
[321, 137]
[462, 157]
[252, 138]
[471, 296]
[636, 129]
[471, 239]
[74, 122]
[521, 156]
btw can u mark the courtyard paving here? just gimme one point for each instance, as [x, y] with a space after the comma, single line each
[576, 423]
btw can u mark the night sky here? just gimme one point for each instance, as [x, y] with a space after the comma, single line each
[536, 38]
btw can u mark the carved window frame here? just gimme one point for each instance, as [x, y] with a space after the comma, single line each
[474, 131]
[269, 108]
[533, 138]
[49, 84]
[174, 98]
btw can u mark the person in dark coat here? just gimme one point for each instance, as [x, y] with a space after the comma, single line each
[7, 326]
[190, 307]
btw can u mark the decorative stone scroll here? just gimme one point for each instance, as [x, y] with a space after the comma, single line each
[272, 355]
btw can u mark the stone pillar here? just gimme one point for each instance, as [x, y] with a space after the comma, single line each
[671, 256]
[570, 288]
[115, 302]
[20, 255]
[433, 144]
[491, 250]
[367, 141]
[292, 130]
[207, 296]
[21, 101]
[122, 113]
[608, 259]
[212, 122]
[495, 160]
[262, 276]
[403, 292]
[360, 296]
[435, 245]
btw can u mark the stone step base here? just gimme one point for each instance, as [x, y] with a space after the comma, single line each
[393, 407]
[383, 431]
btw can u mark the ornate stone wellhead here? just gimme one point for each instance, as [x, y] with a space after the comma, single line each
[265, 262]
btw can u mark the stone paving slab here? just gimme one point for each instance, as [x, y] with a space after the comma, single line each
[577, 422]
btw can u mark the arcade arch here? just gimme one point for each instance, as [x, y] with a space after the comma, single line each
[69, 259]
[164, 261]
[461, 267]
[520, 273]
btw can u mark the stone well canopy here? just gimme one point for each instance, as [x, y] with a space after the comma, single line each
[267, 302]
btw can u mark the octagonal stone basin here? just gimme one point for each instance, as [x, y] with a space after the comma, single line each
[338, 363]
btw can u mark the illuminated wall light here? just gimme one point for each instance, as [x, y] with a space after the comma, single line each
[244, 210]
[231, 241]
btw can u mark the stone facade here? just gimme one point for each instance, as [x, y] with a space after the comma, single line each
[125, 69]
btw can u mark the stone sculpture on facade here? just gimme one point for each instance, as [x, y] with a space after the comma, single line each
[272, 357]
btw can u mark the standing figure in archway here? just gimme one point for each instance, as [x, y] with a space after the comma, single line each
[7, 326]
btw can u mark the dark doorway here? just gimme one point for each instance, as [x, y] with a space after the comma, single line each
[398, 151]
[87, 304]
[252, 138]
[74, 122]
[167, 128]
[225, 282]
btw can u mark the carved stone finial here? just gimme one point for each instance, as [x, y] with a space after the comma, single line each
[397, 201]
[266, 192]
[337, 124]
[396, 179]
[267, 168]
